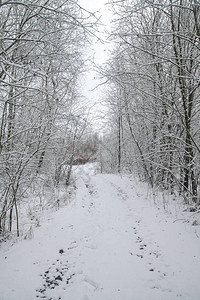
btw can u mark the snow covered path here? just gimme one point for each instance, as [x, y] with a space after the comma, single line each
[111, 243]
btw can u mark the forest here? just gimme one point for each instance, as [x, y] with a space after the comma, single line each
[153, 94]
[152, 97]
[41, 117]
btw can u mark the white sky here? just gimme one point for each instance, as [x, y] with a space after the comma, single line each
[99, 51]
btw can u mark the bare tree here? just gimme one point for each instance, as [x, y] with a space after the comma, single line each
[158, 75]
[41, 58]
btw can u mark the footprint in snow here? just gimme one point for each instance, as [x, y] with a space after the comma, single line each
[90, 284]
[91, 247]
[58, 276]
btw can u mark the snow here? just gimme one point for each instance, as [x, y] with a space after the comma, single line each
[114, 241]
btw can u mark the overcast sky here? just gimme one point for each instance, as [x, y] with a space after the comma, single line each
[99, 51]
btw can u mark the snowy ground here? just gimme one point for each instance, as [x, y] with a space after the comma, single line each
[110, 243]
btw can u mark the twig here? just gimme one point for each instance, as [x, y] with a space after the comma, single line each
[196, 234]
[198, 211]
[185, 220]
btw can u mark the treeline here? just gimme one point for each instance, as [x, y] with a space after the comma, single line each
[41, 120]
[154, 100]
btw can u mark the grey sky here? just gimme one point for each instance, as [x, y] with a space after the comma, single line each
[99, 51]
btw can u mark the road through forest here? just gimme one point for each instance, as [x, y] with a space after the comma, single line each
[109, 243]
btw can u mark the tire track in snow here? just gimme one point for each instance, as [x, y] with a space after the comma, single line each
[107, 214]
[148, 250]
